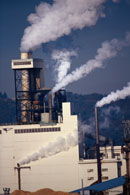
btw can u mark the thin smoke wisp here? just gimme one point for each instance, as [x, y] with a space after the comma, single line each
[114, 96]
[52, 21]
[63, 62]
[108, 50]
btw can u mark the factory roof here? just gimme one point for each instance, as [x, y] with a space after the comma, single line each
[104, 185]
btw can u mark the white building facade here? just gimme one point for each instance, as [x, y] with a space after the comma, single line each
[51, 151]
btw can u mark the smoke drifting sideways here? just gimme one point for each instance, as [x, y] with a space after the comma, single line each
[63, 62]
[53, 21]
[114, 96]
[62, 143]
[108, 50]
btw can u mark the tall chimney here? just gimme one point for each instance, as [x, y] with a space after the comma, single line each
[27, 72]
[98, 148]
[26, 88]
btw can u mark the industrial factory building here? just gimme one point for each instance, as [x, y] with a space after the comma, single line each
[42, 150]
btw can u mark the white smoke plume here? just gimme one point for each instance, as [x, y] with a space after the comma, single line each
[107, 51]
[63, 62]
[53, 21]
[114, 96]
[88, 129]
[84, 128]
[62, 143]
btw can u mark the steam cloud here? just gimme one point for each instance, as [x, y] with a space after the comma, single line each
[106, 114]
[88, 129]
[53, 148]
[114, 96]
[107, 51]
[63, 62]
[53, 21]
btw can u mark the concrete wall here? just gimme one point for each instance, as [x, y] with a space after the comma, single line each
[59, 171]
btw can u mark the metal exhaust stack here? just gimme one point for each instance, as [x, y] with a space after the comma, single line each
[50, 107]
[27, 72]
[25, 88]
[97, 148]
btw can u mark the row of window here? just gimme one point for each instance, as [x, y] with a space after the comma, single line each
[91, 170]
[103, 178]
[38, 130]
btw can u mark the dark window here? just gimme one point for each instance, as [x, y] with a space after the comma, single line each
[105, 178]
[105, 169]
[35, 130]
[22, 63]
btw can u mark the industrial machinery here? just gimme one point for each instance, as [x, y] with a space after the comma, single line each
[33, 103]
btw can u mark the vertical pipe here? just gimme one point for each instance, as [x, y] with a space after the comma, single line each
[128, 159]
[19, 179]
[82, 186]
[50, 107]
[16, 100]
[25, 89]
[97, 148]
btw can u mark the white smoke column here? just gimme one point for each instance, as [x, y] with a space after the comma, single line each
[107, 51]
[53, 21]
[114, 96]
[62, 143]
[63, 62]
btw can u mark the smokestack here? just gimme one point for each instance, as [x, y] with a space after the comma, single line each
[50, 107]
[25, 86]
[26, 55]
[98, 148]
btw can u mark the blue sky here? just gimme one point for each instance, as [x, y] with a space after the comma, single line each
[115, 75]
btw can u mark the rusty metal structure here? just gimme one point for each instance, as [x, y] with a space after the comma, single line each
[34, 102]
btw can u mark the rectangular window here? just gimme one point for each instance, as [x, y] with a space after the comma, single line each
[90, 178]
[105, 178]
[90, 170]
[105, 169]
[22, 63]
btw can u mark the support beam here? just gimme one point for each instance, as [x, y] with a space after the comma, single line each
[18, 168]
